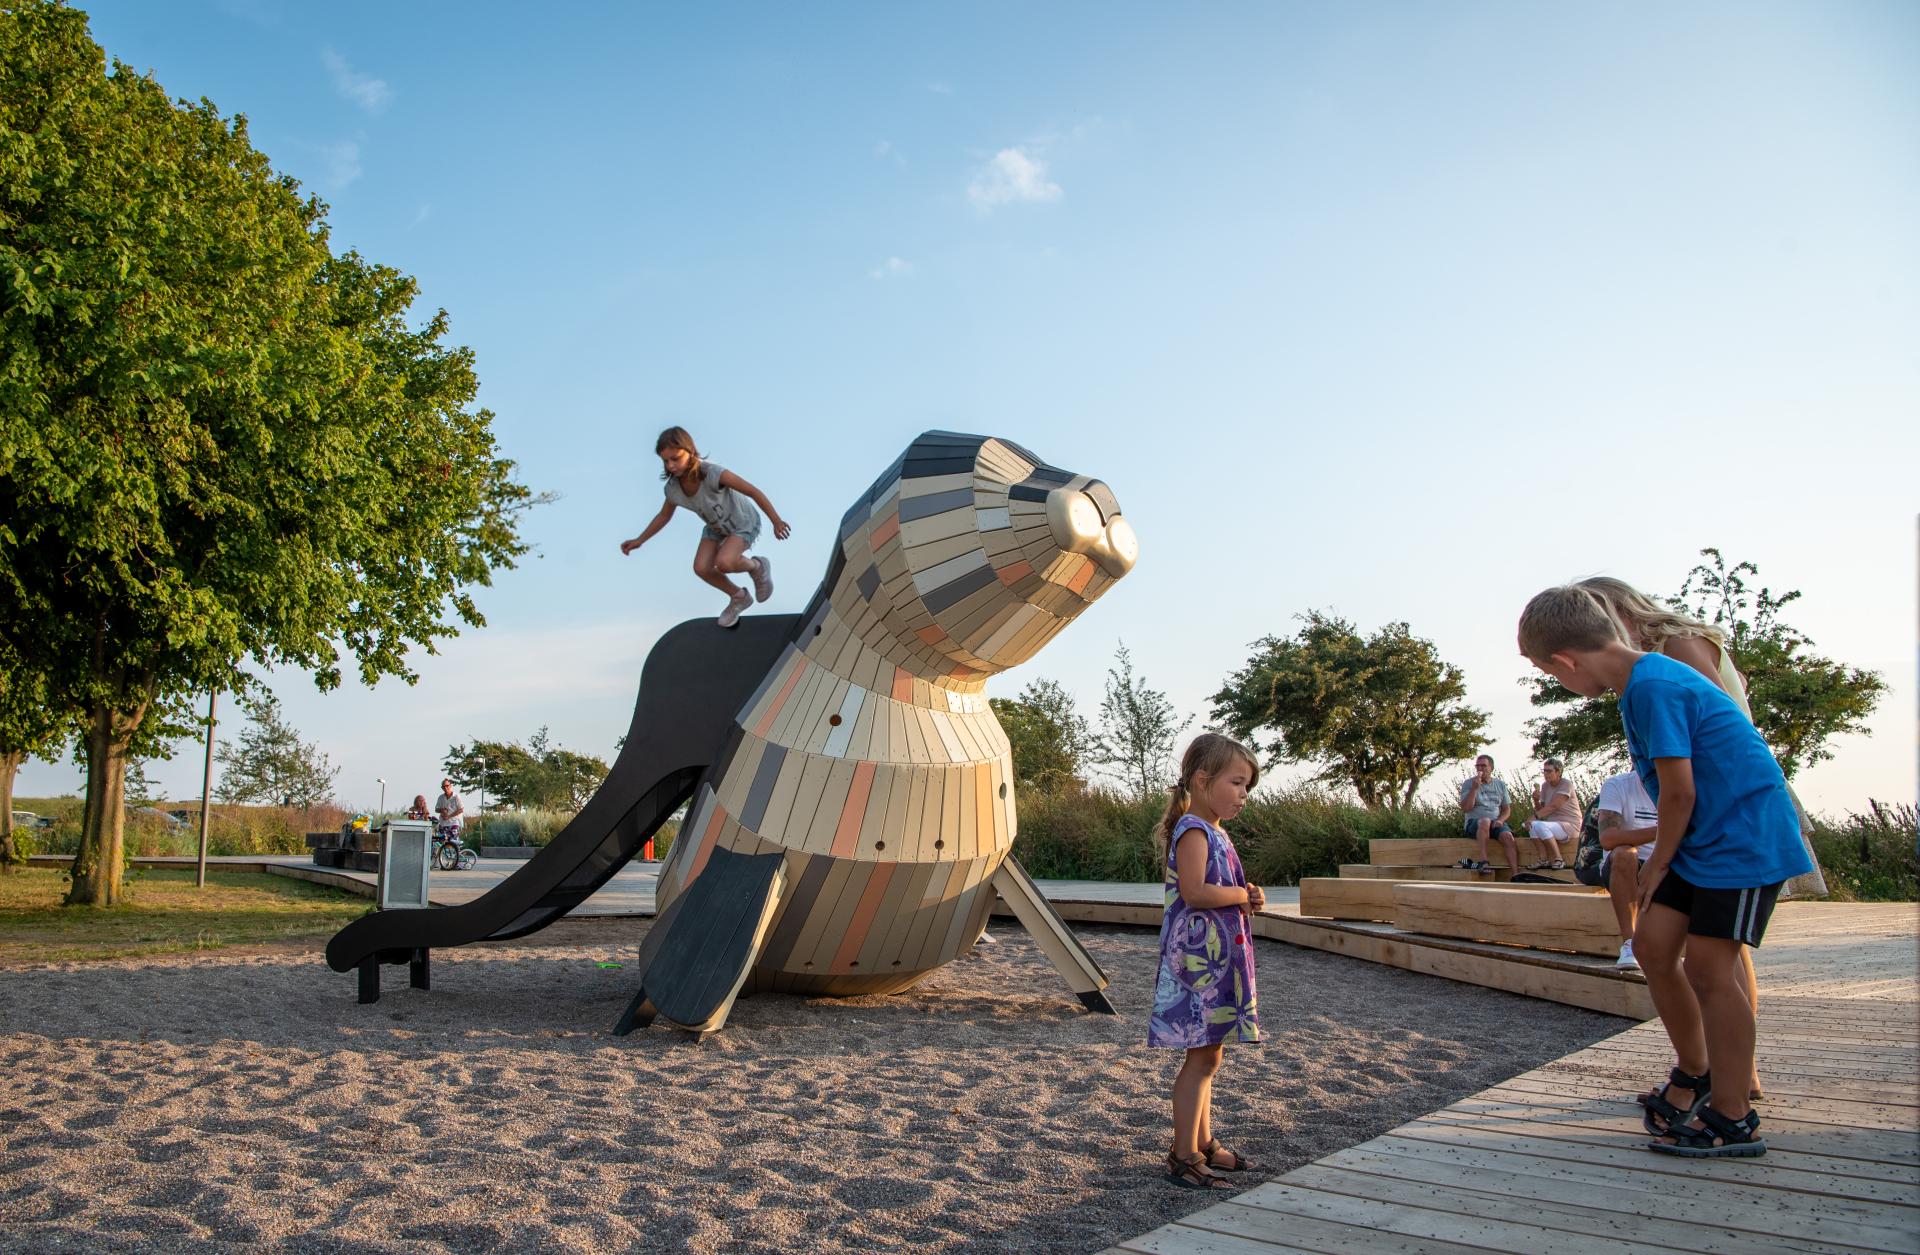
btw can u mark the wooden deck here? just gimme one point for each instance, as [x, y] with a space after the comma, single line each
[1554, 1159]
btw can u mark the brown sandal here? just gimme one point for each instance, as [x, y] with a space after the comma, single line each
[1213, 1148]
[1192, 1174]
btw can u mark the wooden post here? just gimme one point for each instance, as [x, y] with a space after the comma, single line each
[206, 797]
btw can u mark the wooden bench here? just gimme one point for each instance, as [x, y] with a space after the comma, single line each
[1372, 898]
[1439, 854]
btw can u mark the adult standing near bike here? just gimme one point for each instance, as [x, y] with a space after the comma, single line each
[447, 807]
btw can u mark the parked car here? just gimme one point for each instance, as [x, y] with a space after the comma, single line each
[27, 819]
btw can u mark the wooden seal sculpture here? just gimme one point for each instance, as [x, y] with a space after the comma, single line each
[853, 832]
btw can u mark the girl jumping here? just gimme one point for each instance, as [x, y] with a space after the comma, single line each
[725, 503]
[1204, 996]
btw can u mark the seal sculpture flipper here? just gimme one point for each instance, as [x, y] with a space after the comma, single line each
[1052, 935]
[700, 949]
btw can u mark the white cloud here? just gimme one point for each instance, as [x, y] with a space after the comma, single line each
[370, 93]
[885, 151]
[421, 215]
[342, 162]
[940, 89]
[892, 268]
[1011, 177]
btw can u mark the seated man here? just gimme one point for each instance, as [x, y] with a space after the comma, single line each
[1486, 804]
[1629, 820]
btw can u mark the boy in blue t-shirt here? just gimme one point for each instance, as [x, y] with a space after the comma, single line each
[1728, 836]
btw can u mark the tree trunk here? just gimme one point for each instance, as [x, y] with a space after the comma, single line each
[102, 856]
[9, 765]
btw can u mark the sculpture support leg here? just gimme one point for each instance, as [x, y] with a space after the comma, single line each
[370, 979]
[419, 970]
[1052, 935]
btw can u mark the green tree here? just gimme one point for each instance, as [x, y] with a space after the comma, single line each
[269, 762]
[1048, 736]
[220, 443]
[1137, 729]
[29, 727]
[539, 774]
[1377, 713]
[1800, 700]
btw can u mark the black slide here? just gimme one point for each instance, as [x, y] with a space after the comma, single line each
[696, 679]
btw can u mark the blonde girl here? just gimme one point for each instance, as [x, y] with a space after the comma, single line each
[725, 504]
[1659, 629]
[1204, 995]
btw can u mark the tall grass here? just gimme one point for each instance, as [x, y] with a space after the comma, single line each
[231, 829]
[1872, 857]
[537, 828]
[1097, 834]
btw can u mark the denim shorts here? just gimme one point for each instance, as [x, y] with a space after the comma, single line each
[1472, 827]
[710, 532]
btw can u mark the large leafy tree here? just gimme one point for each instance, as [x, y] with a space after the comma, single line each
[1378, 713]
[1800, 700]
[538, 774]
[1138, 727]
[269, 762]
[221, 444]
[29, 726]
[1048, 736]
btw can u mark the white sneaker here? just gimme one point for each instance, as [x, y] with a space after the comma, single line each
[1626, 958]
[762, 579]
[740, 600]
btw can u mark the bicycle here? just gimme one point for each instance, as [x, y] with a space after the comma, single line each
[448, 854]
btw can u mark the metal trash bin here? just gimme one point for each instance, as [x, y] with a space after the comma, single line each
[406, 858]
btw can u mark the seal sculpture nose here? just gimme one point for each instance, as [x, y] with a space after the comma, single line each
[1075, 520]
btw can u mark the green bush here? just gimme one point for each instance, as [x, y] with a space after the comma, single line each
[1097, 834]
[1871, 857]
[231, 830]
[537, 828]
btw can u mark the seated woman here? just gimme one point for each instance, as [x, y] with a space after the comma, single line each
[419, 808]
[1556, 815]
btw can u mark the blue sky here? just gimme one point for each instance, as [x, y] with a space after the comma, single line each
[1401, 311]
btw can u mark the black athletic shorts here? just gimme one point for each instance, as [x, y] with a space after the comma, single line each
[1735, 914]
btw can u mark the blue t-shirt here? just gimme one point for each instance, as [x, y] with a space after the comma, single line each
[1744, 831]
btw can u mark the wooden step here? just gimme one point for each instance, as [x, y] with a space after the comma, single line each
[1446, 851]
[1385, 871]
[1373, 898]
[1582, 923]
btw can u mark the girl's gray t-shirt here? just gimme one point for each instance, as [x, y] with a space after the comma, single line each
[718, 507]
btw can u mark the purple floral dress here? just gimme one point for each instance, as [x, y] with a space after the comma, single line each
[1204, 994]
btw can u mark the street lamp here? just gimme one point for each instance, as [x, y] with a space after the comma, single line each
[483, 785]
[382, 782]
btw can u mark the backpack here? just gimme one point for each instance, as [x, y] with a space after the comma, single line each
[1589, 856]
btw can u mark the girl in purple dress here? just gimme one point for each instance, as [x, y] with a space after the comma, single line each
[1204, 996]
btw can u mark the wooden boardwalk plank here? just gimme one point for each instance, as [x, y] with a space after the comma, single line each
[1554, 1159]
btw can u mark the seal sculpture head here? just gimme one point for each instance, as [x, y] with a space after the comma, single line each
[869, 755]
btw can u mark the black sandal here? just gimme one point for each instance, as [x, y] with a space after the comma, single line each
[1670, 1116]
[1715, 1137]
[1192, 1174]
[1213, 1147]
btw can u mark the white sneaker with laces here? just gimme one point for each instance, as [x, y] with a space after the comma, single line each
[740, 600]
[762, 579]
[1626, 958]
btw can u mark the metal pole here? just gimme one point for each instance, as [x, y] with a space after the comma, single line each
[206, 795]
[483, 788]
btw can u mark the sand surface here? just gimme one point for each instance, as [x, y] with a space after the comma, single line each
[242, 1100]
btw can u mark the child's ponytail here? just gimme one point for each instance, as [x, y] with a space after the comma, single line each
[1176, 807]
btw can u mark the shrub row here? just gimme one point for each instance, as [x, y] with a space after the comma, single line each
[1095, 834]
